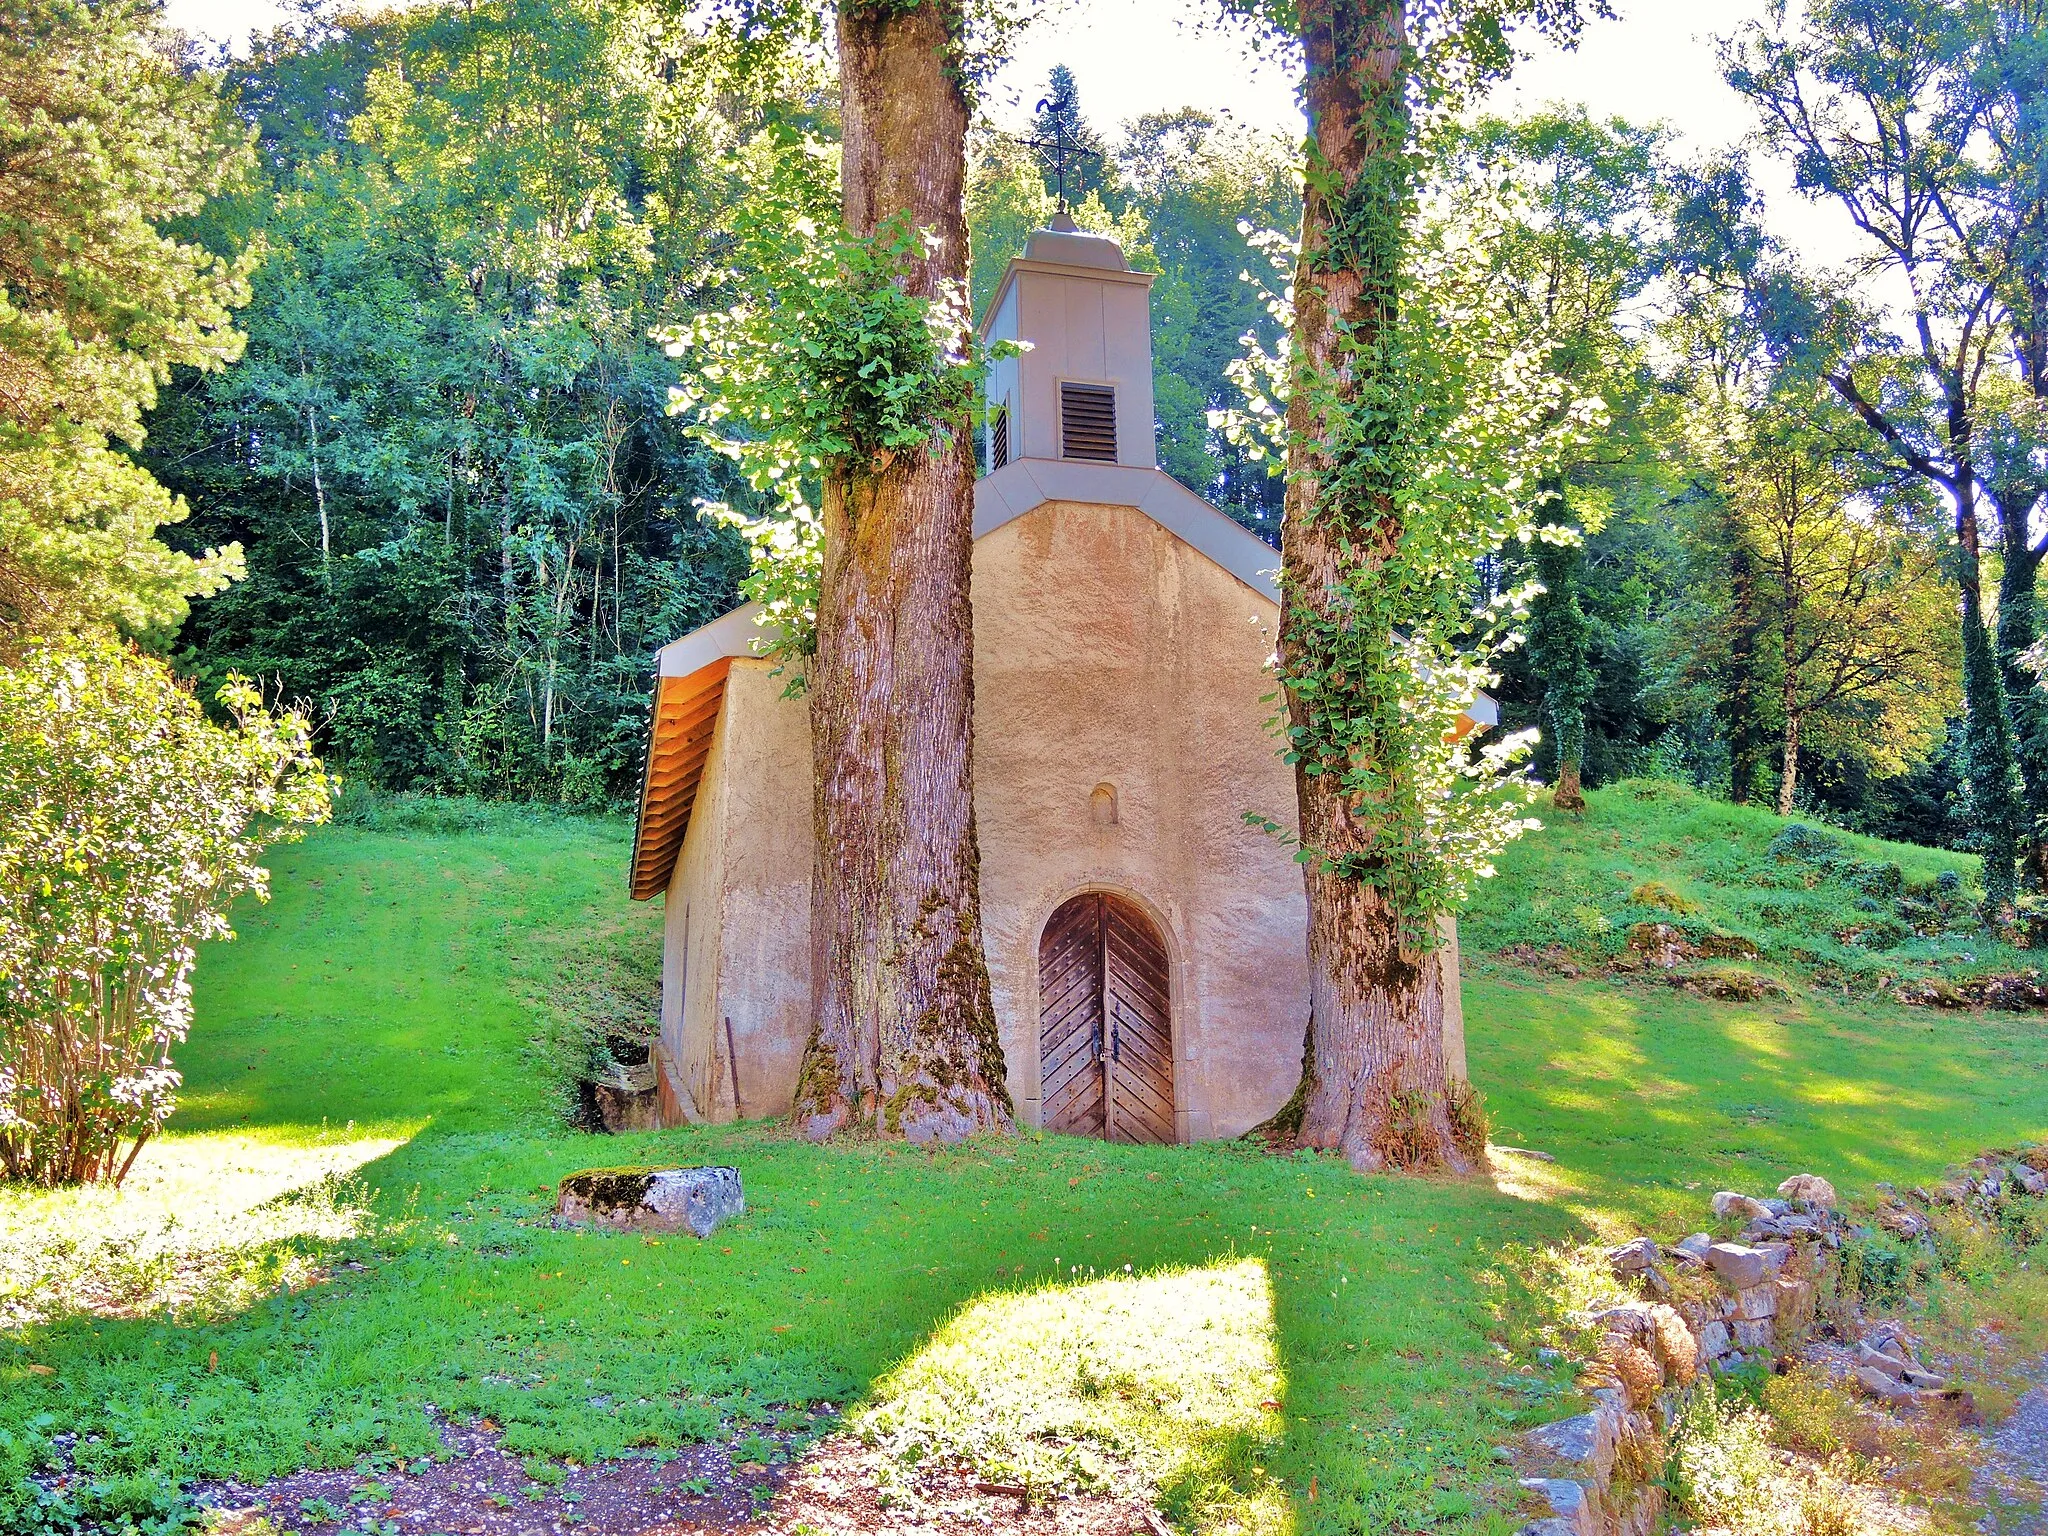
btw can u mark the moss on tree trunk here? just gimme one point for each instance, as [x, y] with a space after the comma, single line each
[904, 1039]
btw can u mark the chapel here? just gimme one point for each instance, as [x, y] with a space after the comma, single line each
[1147, 948]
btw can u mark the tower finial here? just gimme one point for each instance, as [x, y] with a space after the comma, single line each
[1063, 149]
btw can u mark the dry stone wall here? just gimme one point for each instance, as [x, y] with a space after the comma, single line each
[1707, 1305]
[1716, 1305]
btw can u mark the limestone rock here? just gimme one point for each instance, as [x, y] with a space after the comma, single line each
[1694, 1247]
[1739, 1267]
[1756, 1302]
[1878, 1360]
[1903, 1222]
[1796, 1300]
[1880, 1385]
[1809, 1188]
[1633, 1258]
[695, 1200]
[1759, 1335]
[1924, 1381]
[1575, 1514]
[1587, 1440]
[1659, 944]
[2031, 1180]
[1728, 1204]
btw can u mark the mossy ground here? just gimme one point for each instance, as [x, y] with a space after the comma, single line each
[370, 1084]
[1648, 851]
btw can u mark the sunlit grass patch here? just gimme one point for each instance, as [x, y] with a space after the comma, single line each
[390, 992]
[204, 1224]
[1125, 1384]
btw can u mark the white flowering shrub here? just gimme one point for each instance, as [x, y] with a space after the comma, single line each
[1721, 1463]
[129, 823]
[1476, 422]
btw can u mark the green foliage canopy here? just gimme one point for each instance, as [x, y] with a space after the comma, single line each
[469, 518]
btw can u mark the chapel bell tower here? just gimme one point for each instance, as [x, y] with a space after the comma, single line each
[1083, 390]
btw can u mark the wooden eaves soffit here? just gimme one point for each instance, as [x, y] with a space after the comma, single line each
[689, 692]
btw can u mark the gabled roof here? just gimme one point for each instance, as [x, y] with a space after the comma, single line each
[690, 672]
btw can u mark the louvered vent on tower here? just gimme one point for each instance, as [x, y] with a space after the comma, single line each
[999, 439]
[1088, 422]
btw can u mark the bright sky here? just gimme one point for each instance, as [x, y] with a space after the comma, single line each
[1655, 62]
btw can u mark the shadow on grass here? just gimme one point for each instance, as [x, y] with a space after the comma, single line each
[848, 1264]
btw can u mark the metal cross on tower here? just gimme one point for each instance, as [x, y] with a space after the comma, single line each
[1062, 149]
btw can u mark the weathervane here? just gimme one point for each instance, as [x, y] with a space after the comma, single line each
[1062, 149]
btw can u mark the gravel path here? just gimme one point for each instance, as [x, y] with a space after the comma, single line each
[2012, 1482]
[478, 1488]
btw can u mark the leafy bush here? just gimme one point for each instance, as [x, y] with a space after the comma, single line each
[1879, 879]
[1876, 1269]
[129, 823]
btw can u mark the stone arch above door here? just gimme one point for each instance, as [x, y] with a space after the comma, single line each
[1105, 1025]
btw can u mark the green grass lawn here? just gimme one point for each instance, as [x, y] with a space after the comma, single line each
[368, 1085]
[1648, 851]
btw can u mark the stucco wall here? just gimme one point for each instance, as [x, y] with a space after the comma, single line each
[1107, 652]
[737, 919]
[765, 961]
[691, 932]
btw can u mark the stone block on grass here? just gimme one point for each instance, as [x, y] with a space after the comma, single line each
[693, 1200]
[1810, 1189]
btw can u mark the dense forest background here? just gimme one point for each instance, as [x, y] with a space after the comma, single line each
[469, 517]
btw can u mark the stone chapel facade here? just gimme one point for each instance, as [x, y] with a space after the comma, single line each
[1147, 948]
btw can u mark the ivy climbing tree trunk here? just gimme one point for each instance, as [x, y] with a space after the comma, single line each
[1375, 1084]
[904, 1038]
[2027, 705]
[1996, 805]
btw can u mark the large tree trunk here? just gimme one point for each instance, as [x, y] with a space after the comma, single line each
[2018, 629]
[1375, 1083]
[1746, 738]
[904, 1036]
[1788, 771]
[1987, 732]
[1569, 795]
[1789, 599]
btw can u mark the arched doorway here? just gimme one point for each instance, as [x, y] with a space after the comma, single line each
[1105, 1034]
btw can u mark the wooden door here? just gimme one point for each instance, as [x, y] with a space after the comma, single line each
[1105, 1039]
